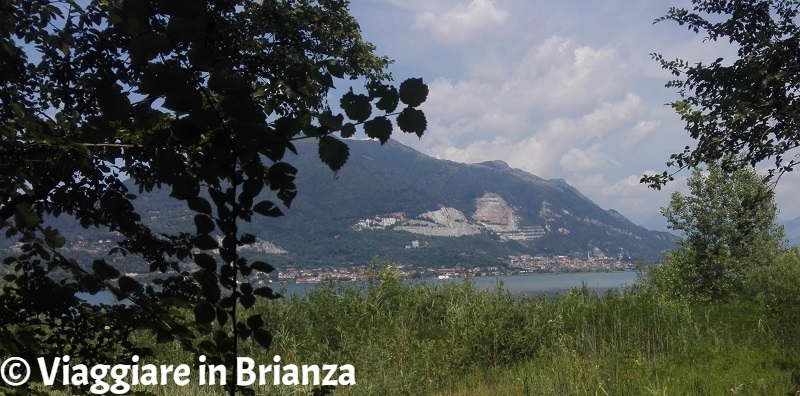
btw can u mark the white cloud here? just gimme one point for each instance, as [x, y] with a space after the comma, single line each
[555, 77]
[462, 22]
[561, 96]
[578, 161]
[626, 187]
[554, 147]
[633, 198]
[532, 154]
[559, 110]
[640, 132]
[598, 123]
[559, 73]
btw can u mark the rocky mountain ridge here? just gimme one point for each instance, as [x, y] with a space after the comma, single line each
[389, 196]
[390, 200]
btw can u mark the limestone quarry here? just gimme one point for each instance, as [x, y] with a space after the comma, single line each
[492, 215]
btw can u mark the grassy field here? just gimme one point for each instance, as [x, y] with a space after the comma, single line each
[453, 339]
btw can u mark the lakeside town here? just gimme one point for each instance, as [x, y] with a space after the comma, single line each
[595, 261]
[524, 264]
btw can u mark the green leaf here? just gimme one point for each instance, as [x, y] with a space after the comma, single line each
[129, 285]
[113, 103]
[287, 196]
[158, 79]
[53, 239]
[222, 316]
[24, 217]
[389, 100]
[145, 47]
[204, 313]
[335, 68]
[207, 347]
[103, 270]
[184, 99]
[333, 152]
[204, 224]
[413, 92]
[356, 106]
[219, 197]
[188, 29]
[255, 321]
[245, 200]
[184, 8]
[246, 289]
[332, 122]
[163, 336]
[199, 204]
[262, 267]
[266, 292]
[379, 128]
[227, 256]
[348, 130]
[229, 83]
[267, 208]
[281, 176]
[136, 8]
[243, 109]
[186, 131]
[315, 131]
[323, 78]
[247, 301]
[205, 242]
[184, 188]
[205, 261]
[412, 121]
[288, 126]
[201, 57]
[262, 337]
[247, 239]
[253, 186]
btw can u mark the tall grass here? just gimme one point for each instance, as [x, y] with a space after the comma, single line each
[454, 339]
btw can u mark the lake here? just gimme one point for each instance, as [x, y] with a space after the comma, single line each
[528, 284]
[534, 284]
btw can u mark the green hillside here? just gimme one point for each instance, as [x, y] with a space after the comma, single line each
[378, 180]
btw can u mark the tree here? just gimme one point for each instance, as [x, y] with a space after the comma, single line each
[750, 105]
[200, 97]
[728, 226]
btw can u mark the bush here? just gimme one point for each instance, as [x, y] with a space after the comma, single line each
[689, 276]
[777, 284]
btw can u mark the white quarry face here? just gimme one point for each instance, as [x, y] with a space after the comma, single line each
[495, 213]
[492, 215]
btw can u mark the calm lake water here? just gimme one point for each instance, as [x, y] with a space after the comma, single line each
[534, 284]
[529, 284]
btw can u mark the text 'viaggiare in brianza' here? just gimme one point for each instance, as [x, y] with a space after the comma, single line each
[119, 378]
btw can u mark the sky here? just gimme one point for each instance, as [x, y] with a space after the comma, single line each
[561, 89]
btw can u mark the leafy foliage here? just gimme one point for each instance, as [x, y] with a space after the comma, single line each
[201, 97]
[749, 105]
[778, 284]
[728, 223]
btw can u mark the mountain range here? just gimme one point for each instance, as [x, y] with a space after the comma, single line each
[792, 230]
[390, 200]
